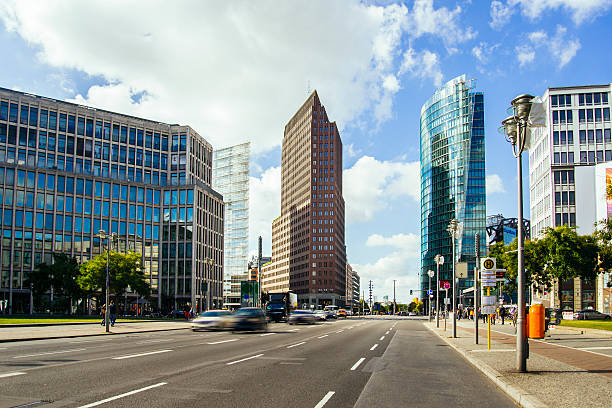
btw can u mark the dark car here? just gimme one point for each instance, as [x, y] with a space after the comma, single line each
[248, 318]
[302, 316]
[590, 314]
[176, 314]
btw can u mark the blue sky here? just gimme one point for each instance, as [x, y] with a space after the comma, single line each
[238, 70]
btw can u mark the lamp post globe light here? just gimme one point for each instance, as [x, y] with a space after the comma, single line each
[452, 229]
[113, 237]
[439, 261]
[430, 273]
[526, 111]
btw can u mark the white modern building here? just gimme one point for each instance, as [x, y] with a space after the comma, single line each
[231, 178]
[568, 166]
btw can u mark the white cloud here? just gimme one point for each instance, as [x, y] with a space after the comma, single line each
[483, 51]
[370, 183]
[524, 54]
[580, 10]
[264, 206]
[402, 264]
[351, 151]
[495, 184]
[204, 63]
[423, 65]
[500, 14]
[562, 49]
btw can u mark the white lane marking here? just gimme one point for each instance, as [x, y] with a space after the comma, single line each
[266, 334]
[11, 374]
[373, 347]
[104, 401]
[244, 359]
[223, 341]
[295, 345]
[382, 338]
[320, 337]
[339, 331]
[153, 341]
[595, 348]
[141, 354]
[387, 332]
[354, 367]
[3, 348]
[294, 330]
[49, 353]
[325, 399]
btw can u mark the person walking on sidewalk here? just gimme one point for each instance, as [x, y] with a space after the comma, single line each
[502, 314]
[103, 313]
[112, 311]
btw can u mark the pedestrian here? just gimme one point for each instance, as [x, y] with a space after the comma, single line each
[502, 314]
[103, 313]
[112, 311]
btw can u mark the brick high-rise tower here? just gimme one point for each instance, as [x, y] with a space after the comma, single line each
[308, 251]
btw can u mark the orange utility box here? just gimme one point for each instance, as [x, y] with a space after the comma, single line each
[535, 323]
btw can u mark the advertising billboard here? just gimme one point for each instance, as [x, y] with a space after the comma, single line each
[609, 192]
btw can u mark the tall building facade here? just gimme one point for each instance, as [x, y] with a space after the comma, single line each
[231, 179]
[308, 251]
[568, 177]
[452, 178]
[352, 288]
[68, 171]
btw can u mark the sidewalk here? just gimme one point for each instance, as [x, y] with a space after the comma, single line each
[11, 334]
[558, 376]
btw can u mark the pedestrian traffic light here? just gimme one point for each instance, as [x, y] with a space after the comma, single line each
[411, 291]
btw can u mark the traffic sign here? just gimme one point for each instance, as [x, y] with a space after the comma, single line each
[488, 263]
[430, 292]
[445, 285]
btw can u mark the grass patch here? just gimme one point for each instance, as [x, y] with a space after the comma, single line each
[588, 324]
[20, 320]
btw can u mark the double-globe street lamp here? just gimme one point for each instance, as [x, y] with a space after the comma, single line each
[439, 259]
[113, 238]
[526, 111]
[452, 229]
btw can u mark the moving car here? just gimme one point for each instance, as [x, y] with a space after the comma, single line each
[177, 314]
[280, 305]
[590, 314]
[211, 320]
[331, 311]
[301, 316]
[412, 314]
[341, 313]
[320, 315]
[248, 318]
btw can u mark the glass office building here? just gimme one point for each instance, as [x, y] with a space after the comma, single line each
[68, 171]
[452, 178]
[231, 179]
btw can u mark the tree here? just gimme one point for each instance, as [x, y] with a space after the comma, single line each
[60, 277]
[124, 270]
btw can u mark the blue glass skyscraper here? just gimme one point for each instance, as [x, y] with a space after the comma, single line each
[452, 178]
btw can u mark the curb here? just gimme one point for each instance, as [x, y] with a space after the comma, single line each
[586, 330]
[88, 335]
[520, 396]
[10, 325]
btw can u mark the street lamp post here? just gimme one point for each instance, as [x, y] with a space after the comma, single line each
[515, 131]
[452, 229]
[430, 273]
[209, 262]
[113, 237]
[439, 261]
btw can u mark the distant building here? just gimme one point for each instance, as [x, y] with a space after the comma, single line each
[308, 251]
[452, 178]
[352, 288]
[570, 169]
[231, 179]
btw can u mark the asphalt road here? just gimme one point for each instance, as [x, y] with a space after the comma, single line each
[333, 364]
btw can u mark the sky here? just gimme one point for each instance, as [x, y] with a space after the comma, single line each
[237, 70]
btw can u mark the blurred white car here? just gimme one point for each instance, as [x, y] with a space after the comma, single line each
[211, 320]
[320, 315]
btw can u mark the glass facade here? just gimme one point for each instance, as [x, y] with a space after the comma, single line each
[67, 172]
[452, 178]
[231, 178]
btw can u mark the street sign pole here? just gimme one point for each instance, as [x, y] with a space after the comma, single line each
[476, 293]
[488, 323]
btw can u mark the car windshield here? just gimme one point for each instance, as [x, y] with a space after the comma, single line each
[247, 312]
[302, 312]
[215, 313]
[276, 306]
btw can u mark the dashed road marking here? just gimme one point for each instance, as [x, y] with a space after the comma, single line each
[223, 341]
[320, 337]
[49, 353]
[354, 367]
[325, 399]
[104, 401]
[295, 345]
[244, 359]
[373, 347]
[141, 354]
[11, 374]
[382, 338]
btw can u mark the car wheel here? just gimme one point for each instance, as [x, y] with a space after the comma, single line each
[607, 318]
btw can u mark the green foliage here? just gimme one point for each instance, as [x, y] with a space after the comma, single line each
[124, 270]
[62, 276]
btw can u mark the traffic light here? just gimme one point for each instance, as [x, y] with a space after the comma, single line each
[411, 291]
